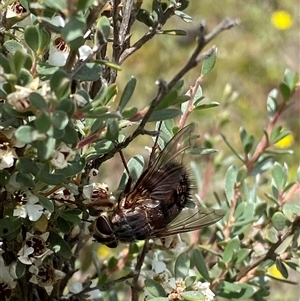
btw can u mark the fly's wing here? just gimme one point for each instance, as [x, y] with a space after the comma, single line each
[168, 154]
[154, 181]
[191, 219]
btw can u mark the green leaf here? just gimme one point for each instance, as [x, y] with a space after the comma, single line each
[59, 245]
[38, 101]
[60, 84]
[9, 225]
[172, 99]
[73, 31]
[127, 94]
[49, 178]
[27, 165]
[104, 26]
[20, 269]
[19, 60]
[277, 136]
[59, 5]
[285, 91]
[272, 102]
[207, 106]
[112, 131]
[264, 163]
[71, 215]
[291, 211]
[11, 46]
[186, 18]
[5, 64]
[281, 267]
[272, 235]
[71, 135]
[230, 181]
[242, 255]
[103, 146]
[145, 17]
[278, 221]
[73, 168]
[25, 134]
[154, 288]
[59, 119]
[279, 176]
[231, 147]
[42, 123]
[190, 280]
[209, 62]
[45, 148]
[46, 203]
[24, 78]
[136, 167]
[66, 105]
[247, 140]
[84, 4]
[63, 225]
[192, 296]
[200, 264]
[25, 179]
[237, 290]
[173, 32]
[182, 266]
[4, 177]
[164, 114]
[89, 72]
[231, 249]
[291, 79]
[32, 38]
[128, 113]
[201, 151]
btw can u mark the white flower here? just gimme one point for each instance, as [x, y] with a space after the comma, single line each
[9, 133]
[30, 207]
[59, 51]
[62, 155]
[19, 99]
[205, 290]
[77, 287]
[34, 249]
[7, 156]
[44, 275]
[5, 275]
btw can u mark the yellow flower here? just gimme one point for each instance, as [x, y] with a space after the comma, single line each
[282, 20]
[274, 272]
[285, 142]
[103, 251]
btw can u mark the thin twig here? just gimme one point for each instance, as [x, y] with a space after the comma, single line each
[140, 261]
[164, 88]
[271, 252]
[149, 35]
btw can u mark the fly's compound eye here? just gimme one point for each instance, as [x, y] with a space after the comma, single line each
[103, 226]
[103, 232]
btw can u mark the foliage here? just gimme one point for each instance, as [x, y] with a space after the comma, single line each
[63, 115]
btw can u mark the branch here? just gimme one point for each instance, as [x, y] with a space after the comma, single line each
[164, 88]
[149, 35]
[270, 254]
[140, 261]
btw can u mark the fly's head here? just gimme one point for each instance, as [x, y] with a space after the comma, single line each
[102, 232]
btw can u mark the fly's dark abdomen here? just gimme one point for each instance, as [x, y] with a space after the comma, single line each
[134, 225]
[167, 194]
